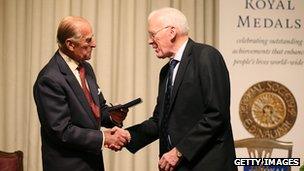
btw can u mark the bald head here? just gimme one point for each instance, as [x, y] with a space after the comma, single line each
[75, 38]
[171, 17]
[69, 27]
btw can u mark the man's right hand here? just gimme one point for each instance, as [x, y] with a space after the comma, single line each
[118, 116]
[116, 138]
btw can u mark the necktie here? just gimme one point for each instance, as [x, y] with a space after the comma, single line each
[94, 107]
[165, 138]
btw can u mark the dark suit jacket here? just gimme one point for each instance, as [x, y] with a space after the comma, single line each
[71, 139]
[199, 123]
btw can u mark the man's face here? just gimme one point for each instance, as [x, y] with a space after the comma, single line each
[160, 38]
[83, 48]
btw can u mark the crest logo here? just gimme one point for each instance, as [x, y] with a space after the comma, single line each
[268, 110]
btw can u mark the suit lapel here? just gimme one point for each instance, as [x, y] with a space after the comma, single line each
[74, 84]
[181, 71]
[162, 88]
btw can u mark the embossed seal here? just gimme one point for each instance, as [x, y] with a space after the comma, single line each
[268, 110]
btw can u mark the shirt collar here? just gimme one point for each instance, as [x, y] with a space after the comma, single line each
[71, 63]
[179, 54]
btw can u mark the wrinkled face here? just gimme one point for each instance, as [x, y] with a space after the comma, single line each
[82, 49]
[160, 37]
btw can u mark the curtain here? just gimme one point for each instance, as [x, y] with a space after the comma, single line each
[124, 64]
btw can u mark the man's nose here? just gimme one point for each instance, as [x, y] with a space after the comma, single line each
[150, 40]
[93, 43]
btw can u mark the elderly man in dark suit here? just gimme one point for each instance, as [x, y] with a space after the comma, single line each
[192, 116]
[71, 107]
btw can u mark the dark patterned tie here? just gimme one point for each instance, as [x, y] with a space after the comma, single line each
[94, 107]
[165, 142]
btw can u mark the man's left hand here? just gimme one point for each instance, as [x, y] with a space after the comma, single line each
[118, 116]
[169, 160]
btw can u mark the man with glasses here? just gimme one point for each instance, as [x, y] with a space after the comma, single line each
[192, 116]
[71, 107]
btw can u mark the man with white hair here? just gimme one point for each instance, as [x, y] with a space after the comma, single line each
[192, 115]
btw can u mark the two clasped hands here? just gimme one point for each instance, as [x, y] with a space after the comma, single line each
[117, 138]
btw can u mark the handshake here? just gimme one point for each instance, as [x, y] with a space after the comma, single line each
[116, 138]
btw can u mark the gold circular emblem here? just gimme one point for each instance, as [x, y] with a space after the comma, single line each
[268, 110]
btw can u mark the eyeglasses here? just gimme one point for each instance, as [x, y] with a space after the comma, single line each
[88, 40]
[153, 34]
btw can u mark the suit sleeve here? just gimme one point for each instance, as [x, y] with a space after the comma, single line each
[215, 89]
[148, 131]
[55, 117]
[106, 120]
[144, 133]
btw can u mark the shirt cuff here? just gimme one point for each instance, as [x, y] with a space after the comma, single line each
[103, 139]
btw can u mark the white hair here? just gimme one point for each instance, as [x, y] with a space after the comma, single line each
[172, 17]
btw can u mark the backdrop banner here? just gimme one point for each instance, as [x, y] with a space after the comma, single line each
[262, 43]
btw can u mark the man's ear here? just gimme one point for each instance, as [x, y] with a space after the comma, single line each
[173, 34]
[69, 44]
